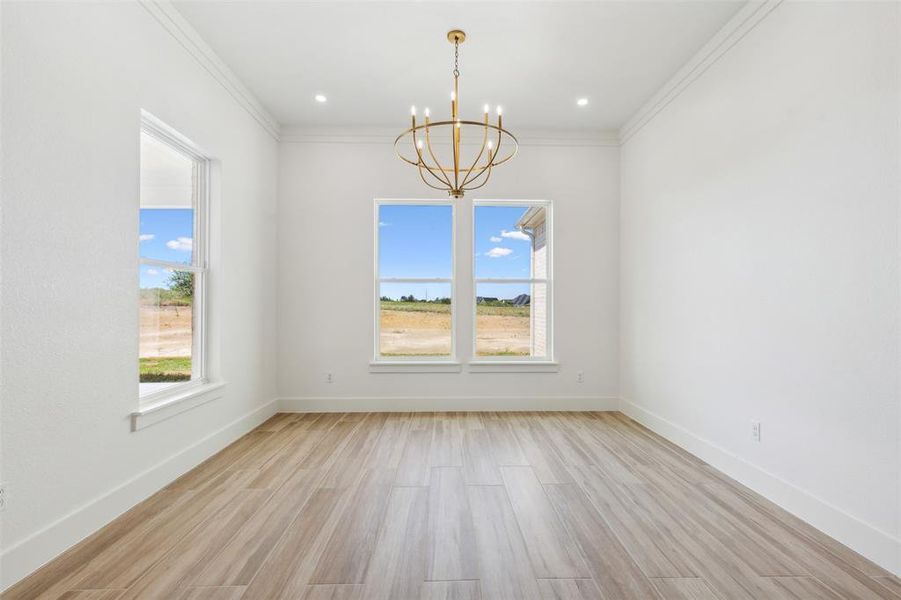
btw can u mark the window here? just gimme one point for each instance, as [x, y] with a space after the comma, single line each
[512, 280]
[414, 280]
[172, 264]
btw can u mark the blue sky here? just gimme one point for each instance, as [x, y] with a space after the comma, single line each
[415, 241]
[165, 234]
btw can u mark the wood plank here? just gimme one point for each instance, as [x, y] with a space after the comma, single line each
[569, 589]
[450, 590]
[447, 443]
[286, 572]
[212, 593]
[168, 577]
[479, 467]
[613, 570]
[399, 565]
[552, 551]
[238, 558]
[347, 554]
[329, 591]
[92, 595]
[452, 542]
[504, 567]
[799, 588]
[684, 588]
[414, 467]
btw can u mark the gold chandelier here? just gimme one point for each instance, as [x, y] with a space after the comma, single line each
[449, 173]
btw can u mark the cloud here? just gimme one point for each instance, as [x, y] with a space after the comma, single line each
[152, 272]
[383, 224]
[498, 252]
[515, 235]
[185, 244]
[495, 239]
[146, 237]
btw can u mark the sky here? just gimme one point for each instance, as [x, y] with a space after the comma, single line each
[165, 234]
[415, 241]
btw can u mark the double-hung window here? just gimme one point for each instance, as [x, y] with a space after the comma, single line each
[414, 280]
[172, 264]
[512, 280]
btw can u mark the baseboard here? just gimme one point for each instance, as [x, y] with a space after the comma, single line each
[28, 555]
[879, 546]
[446, 403]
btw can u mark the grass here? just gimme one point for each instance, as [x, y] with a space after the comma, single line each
[169, 368]
[481, 309]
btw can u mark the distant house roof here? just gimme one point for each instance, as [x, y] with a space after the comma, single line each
[532, 218]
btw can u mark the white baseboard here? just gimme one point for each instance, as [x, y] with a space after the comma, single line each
[446, 403]
[30, 554]
[879, 546]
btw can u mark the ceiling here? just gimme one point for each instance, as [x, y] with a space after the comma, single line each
[373, 60]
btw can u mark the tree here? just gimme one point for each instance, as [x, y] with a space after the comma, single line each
[182, 283]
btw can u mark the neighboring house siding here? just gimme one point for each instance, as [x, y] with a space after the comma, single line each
[539, 292]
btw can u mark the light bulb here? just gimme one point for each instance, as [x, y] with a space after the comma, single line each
[413, 110]
[458, 124]
[427, 112]
[487, 109]
[453, 96]
[419, 144]
[582, 101]
[490, 144]
[320, 98]
[500, 111]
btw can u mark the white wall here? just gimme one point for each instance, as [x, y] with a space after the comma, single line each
[75, 78]
[760, 267]
[326, 278]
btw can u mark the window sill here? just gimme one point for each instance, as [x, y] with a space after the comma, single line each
[180, 400]
[424, 366]
[513, 366]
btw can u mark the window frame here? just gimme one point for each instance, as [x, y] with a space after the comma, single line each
[378, 359]
[199, 265]
[548, 281]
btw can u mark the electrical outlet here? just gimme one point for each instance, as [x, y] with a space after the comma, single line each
[755, 431]
[329, 378]
[4, 496]
[580, 377]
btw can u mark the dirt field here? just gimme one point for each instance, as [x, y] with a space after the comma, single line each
[165, 331]
[414, 330]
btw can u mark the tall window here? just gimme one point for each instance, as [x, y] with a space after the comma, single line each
[172, 265]
[414, 285]
[512, 280]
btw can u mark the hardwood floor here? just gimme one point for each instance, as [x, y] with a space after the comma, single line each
[456, 506]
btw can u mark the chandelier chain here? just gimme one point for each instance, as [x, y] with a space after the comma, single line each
[456, 58]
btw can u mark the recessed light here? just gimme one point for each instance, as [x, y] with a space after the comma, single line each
[320, 98]
[582, 101]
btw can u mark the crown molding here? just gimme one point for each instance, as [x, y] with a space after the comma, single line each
[185, 34]
[732, 32]
[370, 135]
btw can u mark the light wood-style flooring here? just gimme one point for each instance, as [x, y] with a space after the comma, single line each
[447, 506]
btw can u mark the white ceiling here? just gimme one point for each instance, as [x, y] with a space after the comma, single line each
[373, 60]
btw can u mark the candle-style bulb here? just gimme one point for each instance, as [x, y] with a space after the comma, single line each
[500, 111]
[427, 112]
[490, 144]
[453, 96]
[419, 144]
[413, 110]
[487, 109]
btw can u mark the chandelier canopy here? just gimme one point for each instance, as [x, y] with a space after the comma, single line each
[448, 171]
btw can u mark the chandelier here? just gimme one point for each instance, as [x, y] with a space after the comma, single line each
[449, 172]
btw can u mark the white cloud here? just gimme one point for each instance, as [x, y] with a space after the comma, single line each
[515, 235]
[185, 244]
[495, 239]
[383, 224]
[498, 252]
[152, 272]
[146, 237]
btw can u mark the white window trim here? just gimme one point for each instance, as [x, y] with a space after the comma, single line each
[497, 364]
[406, 364]
[162, 403]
